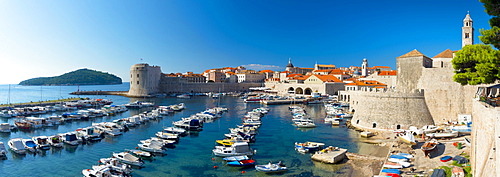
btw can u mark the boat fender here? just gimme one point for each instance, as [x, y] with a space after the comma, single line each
[215, 167]
[242, 172]
[213, 159]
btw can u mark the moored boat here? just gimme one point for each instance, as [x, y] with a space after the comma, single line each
[271, 167]
[237, 149]
[407, 137]
[16, 145]
[429, 146]
[42, 142]
[128, 158]
[3, 151]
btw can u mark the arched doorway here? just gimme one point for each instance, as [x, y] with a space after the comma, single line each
[291, 90]
[398, 127]
[299, 91]
[374, 125]
[307, 91]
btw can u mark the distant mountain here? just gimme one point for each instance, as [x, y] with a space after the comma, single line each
[79, 77]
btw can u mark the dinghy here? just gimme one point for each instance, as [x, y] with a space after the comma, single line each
[271, 167]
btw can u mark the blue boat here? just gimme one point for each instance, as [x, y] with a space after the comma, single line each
[445, 158]
[397, 171]
[241, 163]
[236, 158]
[398, 157]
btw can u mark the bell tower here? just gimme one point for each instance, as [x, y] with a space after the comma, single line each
[467, 31]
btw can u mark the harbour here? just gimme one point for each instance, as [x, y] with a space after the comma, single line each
[274, 142]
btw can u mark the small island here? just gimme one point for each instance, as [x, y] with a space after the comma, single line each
[79, 77]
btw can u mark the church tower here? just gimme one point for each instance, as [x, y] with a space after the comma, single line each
[289, 66]
[364, 68]
[467, 31]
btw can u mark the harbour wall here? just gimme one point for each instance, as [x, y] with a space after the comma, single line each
[376, 110]
[485, 160]
[206, 87]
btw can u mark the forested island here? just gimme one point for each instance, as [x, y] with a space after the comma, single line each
[79, 77]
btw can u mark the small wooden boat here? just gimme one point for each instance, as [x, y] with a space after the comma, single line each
[467, 141]
[405, 155]
[397, 158]
[457, 172]
[271, 167]
[236, 158]
[308, 146]
[445, 158]
[429, 146]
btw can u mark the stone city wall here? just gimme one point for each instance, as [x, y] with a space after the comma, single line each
[389, 110]
[445, 98]
[485, 160]
[206, 87]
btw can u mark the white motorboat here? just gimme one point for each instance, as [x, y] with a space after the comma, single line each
[128, 158]
[167, 136]
[116, 165]
[55, 141]
[102, 171]
[155, 148]
[236, 149]
[159, 141]
[271, 167]
[141, 154]
[175, 130]
[16, 145]
[88, 134]
[42, 142]
[189, 124]
[304, 124]
[308, 146]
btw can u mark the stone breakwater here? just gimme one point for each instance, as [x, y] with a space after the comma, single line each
[99, 92]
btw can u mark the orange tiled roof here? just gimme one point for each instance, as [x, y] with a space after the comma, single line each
[294, 75]
[322, 70]
[413, 53]
[308, 68]
[230, 73]
[445, 54]
[327, 78]
[376, 67]
[286, 72]
[366, 83]
[387, 73]
[266, 71]
[330, 65]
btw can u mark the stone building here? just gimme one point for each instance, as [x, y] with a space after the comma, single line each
[144, 79]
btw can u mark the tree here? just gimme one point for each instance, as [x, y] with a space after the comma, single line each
[492, 36]
[476, 64]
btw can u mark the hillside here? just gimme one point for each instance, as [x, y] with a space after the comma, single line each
[78, 77]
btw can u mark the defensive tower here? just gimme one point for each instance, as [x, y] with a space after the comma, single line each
[144, 80]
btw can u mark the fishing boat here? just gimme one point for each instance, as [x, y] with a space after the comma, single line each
[102, 171]
[445, 158]
[397, 158]
[16, 145]
[42, 142]
[22, 125]
[55, 141]
[3, 151]
[407, 137]
[29, 145]
[304, 124]
[235, 158]
[429, 146]
[237, 149]
[309, 146]
[167, 136]
[128, 158]
[175, 130]
[271, 167]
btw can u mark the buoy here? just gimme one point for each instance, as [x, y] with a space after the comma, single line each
[136, 147]
[213, 159]
[242, 172]
[215, 167]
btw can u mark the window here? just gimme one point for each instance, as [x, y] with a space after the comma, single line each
[466, 35]
[137, 82]
[137, 75]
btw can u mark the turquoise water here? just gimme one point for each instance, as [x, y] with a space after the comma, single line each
[192, 156]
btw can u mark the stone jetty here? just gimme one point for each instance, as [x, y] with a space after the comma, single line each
[330, 155]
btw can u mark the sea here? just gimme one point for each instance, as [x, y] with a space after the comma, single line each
[192, 156]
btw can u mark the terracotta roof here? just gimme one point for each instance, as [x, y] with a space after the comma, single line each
[413, 53]
[230, 73]
[266, 71]
[387, 73]
[286, 72]
[308, 68]
[375, 67]
[322, 70]
[366, 83]
[445, 54]
[327, 78]
[330, 65]
[294, 75]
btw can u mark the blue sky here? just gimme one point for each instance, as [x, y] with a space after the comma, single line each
[52, 37]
